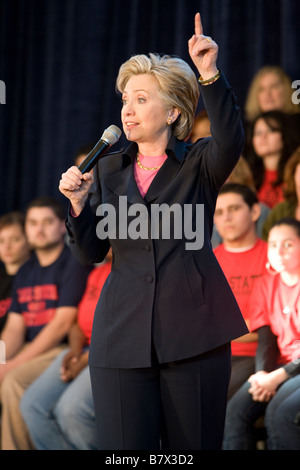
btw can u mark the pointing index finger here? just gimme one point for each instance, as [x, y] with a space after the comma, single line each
[198, 25]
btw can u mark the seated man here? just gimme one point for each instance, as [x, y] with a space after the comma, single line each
[242, 257]
[46, 292]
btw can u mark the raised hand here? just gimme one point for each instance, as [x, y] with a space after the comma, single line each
[75, 186]
[203, 51]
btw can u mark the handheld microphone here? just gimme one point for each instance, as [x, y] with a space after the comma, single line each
[110, 136]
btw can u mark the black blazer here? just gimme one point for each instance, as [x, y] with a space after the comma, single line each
[159, 292]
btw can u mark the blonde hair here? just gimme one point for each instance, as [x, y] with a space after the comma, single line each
[242, 174]
[252, 109]
[178, 86]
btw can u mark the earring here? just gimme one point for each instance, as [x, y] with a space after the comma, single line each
[169, 121]
[270, 269]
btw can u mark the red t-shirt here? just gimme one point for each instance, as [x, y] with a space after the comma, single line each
[269, 194]
[242, 269]
[275, 304]
[87, 305]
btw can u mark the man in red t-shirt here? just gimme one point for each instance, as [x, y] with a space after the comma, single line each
[242, 257]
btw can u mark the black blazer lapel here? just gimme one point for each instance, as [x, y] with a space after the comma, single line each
[123, 183]
[176, 152]
[164, 176]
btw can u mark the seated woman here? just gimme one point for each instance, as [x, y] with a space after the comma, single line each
[275, 304]
[273, 141]
[14, 251]
[290, 207]
[270, 89]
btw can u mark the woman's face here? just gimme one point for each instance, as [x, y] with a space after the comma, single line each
[284, 249]
[144, 115]
[265, 140]
[14, 247]
[271, 94]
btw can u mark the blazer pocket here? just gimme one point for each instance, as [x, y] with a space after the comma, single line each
[195, 280]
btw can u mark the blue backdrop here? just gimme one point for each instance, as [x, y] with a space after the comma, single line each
[59, 60]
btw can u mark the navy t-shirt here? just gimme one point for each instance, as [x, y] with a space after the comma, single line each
[6, 281]
[39, 290]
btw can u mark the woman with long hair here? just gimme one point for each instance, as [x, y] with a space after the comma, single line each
[290, 207]
[272, 143]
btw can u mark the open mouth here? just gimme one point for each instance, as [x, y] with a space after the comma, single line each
[130, 125]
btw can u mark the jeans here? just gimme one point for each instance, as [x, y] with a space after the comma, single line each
[282, 418]
[60, 415]
[241, 414]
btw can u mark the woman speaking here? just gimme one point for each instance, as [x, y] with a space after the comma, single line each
[160, 349]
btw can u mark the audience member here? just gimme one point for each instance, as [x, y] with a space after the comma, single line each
[46, 292]
[275, 316]
[273, 142]
[82, 153]
[282, 419]
[14, 251]
[58, 407]
[201, 127]
[242, 257]
[290, 207]
[242, 174]
[270, 90]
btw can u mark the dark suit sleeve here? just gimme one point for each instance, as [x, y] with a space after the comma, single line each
[267, 350]
[83, 240]
[293, 368]
[226, 145]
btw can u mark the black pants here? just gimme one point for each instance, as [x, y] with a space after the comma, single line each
[176, 406]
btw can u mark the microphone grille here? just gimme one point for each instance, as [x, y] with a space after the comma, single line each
[111, 135]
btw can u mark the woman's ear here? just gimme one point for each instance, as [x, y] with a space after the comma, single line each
[173, 114]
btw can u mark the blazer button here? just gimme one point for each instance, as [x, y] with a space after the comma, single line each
[147, 247]
[149, 279]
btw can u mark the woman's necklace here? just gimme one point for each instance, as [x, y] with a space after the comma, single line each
[154, 168]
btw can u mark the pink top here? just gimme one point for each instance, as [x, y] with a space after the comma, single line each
[144, 178]
[276, 304]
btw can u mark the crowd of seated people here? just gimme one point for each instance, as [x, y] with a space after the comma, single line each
[263, 391]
